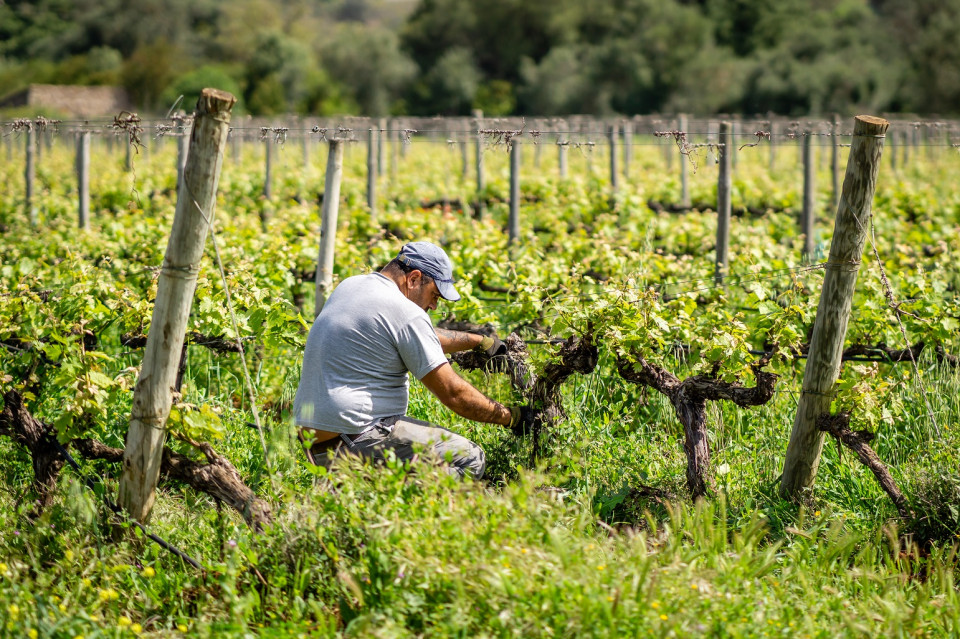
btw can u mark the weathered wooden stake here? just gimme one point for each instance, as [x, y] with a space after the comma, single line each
[627, 149]
[907, 143]
[836, 298]
[381, 147]
[684, 169]
[835, 160]
[478, 124]
[328, 223]
[153, 394]
[614, 170]
[724, 190]
[773, 147]
[395, 142]
[562, 158]
[83, 179]
[809, 215]
[372, 156]
[668, 144]
[514, 224]
[29, 175]
[892, 143]
[267, 167]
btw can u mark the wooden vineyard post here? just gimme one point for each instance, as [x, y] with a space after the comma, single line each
[907, 143]
[892, 151]
[684, 169]
[328, 223]
[773, 147]
[835, 160]
[612, 139]
[372, 174]
[381, 147]
[153, 394]
[29, 175]
[83, 179]
[808, 217]
[267, 167]
[514, 224]
[627, 149]
[182, 152]
[724, 190]
[562, 158]
[667, 147]
[836, 299]
[395, 142]
[478, 122]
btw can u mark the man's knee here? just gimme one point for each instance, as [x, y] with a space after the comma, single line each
[474, 461]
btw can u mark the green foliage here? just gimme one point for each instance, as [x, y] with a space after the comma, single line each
[935, 500]
[574, 546]
[190, 84]
[536, 57]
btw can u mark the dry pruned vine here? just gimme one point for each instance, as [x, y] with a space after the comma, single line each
[859, 442]
[216, 476]
[130, 124]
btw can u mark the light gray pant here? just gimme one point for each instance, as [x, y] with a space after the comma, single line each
[407, 437]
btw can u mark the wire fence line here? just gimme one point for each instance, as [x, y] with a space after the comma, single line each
[915, 131]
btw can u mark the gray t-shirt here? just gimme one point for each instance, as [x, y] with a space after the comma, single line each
[358, 353]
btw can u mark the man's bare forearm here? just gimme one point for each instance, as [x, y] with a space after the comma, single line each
[456, 341]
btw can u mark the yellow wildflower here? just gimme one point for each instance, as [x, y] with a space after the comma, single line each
[32, 633]
[148, 572]
[124, 621]
[664, 617]
[136, 629]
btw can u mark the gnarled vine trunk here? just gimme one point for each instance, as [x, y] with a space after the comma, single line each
[689, 398]
[217, 477]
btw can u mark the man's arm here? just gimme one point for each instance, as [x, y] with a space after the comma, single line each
[456, 341]
[461, 397]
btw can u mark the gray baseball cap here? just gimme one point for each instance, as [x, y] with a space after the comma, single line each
[431, 260]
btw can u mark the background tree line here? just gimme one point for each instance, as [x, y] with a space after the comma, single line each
[536, 57]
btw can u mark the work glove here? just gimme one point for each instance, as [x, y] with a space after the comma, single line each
[521, 420]
[492, 346]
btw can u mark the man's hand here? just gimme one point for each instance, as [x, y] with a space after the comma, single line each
[492, 346]
[521, 420]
